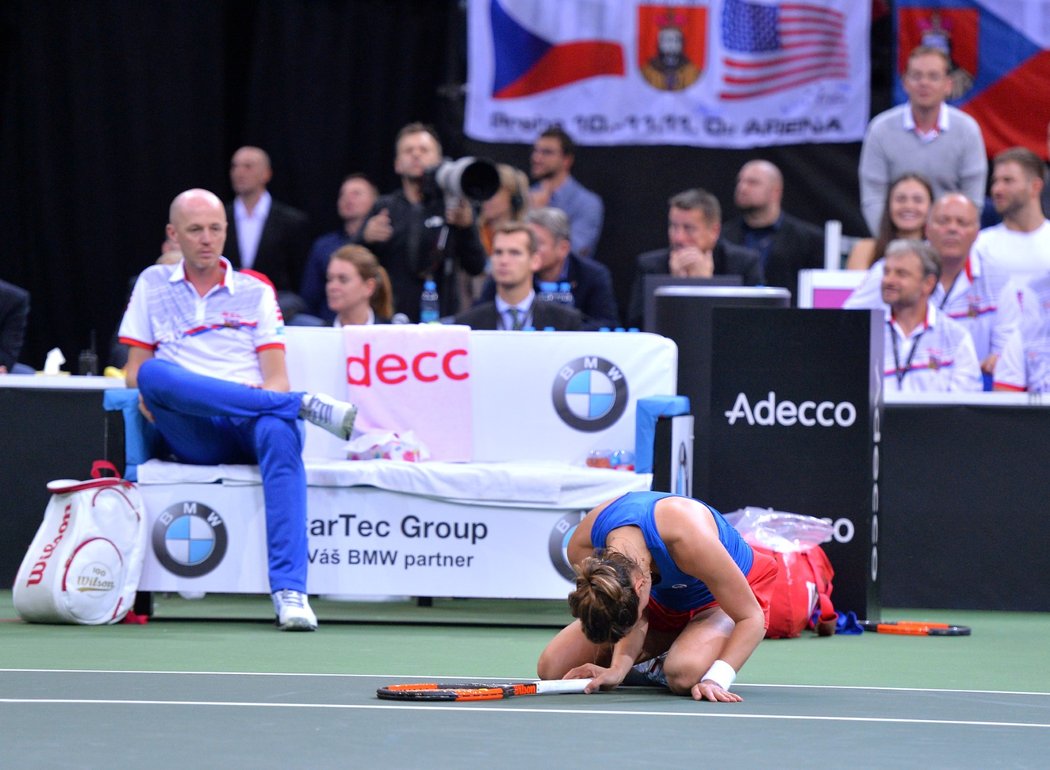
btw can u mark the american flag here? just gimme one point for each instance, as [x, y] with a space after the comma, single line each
[771, 48]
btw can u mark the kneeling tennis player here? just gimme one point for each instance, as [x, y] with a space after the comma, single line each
[655, 574]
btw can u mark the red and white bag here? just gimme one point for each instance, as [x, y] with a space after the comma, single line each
[804, 573]
[86, 559]
[802, 587]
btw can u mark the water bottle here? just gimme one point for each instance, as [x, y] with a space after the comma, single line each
[429, 309]
[547, 291]
[564, 295]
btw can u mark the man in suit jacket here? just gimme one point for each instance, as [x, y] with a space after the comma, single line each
[14, 311]
[264, 234]
[514, 261]
[587, 284]
[786, 243]
[694, 224]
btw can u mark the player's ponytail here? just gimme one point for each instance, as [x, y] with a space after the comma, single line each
[605, 600]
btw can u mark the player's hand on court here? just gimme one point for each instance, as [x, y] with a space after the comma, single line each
[378, 229]
[708, 690]
[600, 677]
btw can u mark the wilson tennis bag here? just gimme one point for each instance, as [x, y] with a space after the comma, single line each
[85, 561]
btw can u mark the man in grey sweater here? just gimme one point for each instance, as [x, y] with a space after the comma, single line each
[925, 135]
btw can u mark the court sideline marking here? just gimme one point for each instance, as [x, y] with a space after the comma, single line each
[454, 677]
[474, 709]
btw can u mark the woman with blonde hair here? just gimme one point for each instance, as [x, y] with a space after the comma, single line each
[509, 203]
[357, 287]
[908, 202]
[666, 579]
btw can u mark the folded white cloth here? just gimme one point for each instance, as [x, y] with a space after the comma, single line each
[531, 483]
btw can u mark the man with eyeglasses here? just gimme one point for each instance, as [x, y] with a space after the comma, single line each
[926, 136]
[550, 166]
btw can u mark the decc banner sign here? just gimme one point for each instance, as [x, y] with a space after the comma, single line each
[724, 73]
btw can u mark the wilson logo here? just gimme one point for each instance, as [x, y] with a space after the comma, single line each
[769, 411]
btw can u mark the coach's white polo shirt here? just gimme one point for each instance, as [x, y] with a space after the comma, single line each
[218, 335]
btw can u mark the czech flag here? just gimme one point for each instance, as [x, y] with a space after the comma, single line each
[539, 46]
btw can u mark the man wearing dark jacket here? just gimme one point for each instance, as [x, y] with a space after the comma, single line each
[694, 224]
[786, 243]
[582, 283]
[418, 235]
[515, 306]
[263, 234]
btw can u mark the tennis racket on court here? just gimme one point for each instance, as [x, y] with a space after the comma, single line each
[914, 628]
[464, 691]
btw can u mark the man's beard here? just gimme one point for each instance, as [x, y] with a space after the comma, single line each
[1010, 208]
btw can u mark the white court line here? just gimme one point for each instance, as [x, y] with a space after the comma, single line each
[470, 678]
[475, 708]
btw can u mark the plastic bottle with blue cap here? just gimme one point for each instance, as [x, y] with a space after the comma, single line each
[429, 304]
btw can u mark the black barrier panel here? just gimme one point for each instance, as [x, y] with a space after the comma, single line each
[683, 313]
[46, 435]
[792, 424]
[965, 494]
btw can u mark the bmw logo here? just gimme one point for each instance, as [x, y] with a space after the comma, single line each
[590, 394]
[189, 539]
[559, 542]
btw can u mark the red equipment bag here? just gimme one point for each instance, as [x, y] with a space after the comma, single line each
[802, 593]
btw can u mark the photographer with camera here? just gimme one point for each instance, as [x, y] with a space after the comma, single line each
[426, 230]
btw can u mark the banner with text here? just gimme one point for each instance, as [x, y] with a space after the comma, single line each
[410, 377]
[212, 538]
[735, 73]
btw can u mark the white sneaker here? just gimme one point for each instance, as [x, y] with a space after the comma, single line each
[335, 416]
[293, 611]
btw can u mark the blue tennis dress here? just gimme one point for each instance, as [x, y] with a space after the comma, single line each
[676, 590]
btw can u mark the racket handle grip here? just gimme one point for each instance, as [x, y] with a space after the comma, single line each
[561, 686]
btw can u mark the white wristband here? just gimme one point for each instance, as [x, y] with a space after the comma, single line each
[721, 673]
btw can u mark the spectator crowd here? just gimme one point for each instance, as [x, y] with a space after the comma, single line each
[966, 308]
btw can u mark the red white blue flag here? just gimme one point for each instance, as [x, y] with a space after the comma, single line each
[729, 73]
[1000, 52]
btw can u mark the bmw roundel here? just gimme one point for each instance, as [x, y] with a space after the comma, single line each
[558, 543]
[590, 393]
[189, 539]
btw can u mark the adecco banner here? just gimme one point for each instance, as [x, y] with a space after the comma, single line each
[794, 425]
[211, 537]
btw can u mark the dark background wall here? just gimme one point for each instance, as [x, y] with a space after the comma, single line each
[110, 108]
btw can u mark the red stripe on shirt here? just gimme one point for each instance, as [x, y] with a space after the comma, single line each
[136, 343]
